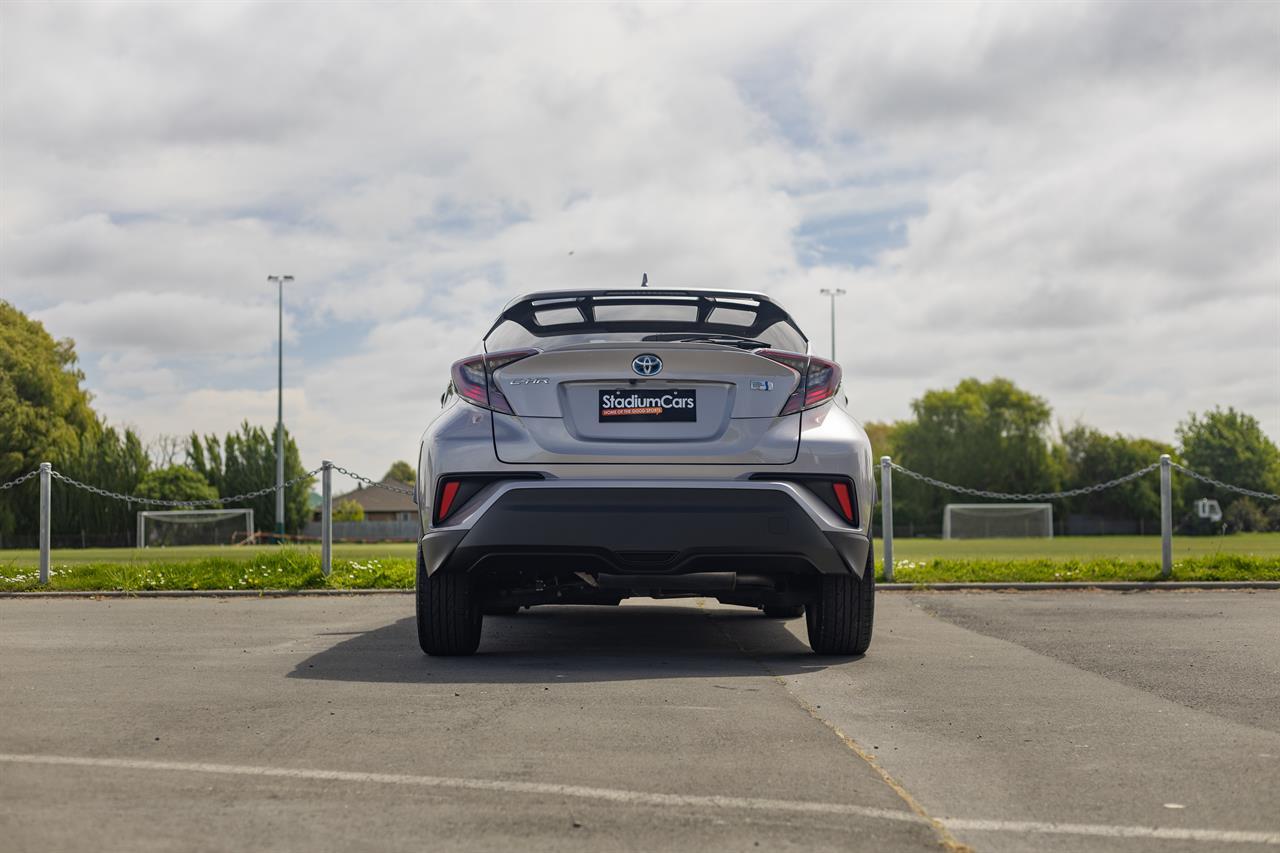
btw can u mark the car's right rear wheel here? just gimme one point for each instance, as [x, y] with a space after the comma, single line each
[840, 617]
[449, 615]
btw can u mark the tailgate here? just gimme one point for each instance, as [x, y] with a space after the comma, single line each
[703, 404]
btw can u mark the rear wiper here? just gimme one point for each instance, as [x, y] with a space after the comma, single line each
[726, 340]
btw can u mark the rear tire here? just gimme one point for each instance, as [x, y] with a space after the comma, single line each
[449, 617]
[784, 611]
[840, 620]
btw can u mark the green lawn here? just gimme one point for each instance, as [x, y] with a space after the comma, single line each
[1253, 556]
[1084, 547]
[74, 556]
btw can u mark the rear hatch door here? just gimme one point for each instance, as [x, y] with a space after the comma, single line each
[670, 403]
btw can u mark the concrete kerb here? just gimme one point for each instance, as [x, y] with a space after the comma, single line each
[1105, 586]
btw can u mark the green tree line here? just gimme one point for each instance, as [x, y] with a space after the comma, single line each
[989, 435]
[46, 415]
[997, 437]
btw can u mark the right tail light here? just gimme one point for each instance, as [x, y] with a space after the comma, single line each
[819, 379]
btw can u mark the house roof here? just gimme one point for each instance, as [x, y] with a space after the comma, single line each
[381, 500]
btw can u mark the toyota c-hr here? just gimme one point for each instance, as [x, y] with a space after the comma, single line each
[603, 444]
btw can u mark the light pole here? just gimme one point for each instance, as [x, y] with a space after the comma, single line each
[280, 280]
[833, 293]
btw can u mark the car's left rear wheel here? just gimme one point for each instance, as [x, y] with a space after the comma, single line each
[449, 614]
[840, 617]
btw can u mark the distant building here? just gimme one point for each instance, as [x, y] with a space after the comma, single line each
[379, 504]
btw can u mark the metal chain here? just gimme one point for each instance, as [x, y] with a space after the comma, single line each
[20, 480]
[1266, 496]
[1018, 496]
[106, 493]
[353, 475]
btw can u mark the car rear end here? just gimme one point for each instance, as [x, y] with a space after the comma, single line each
[608, 444]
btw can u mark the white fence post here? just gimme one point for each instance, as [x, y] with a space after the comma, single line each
[1166, 516]
[45, 470]
[886, 514]
[326, 517]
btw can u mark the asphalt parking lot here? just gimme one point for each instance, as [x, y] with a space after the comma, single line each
[1027, 721]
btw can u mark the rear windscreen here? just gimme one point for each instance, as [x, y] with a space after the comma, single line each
[586, 319]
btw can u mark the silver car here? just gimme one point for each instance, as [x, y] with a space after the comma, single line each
[603, 444]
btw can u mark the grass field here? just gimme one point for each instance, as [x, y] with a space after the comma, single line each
[1251, 556]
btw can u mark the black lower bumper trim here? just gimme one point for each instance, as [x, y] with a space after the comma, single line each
[658, 531]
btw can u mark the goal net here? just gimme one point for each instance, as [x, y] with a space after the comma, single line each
[986, 521]
[160, 528]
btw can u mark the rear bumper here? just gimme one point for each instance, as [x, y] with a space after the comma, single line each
[631, 528]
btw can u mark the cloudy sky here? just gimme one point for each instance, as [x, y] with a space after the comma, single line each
[1082, 197]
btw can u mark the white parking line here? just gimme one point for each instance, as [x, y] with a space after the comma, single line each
[1107, 831]
[616, 795]
[613, 795]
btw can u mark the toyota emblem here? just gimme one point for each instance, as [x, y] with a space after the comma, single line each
[646, 364]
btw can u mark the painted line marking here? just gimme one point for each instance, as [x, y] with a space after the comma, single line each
[613, 795]
[1109, 831]
[617, 795]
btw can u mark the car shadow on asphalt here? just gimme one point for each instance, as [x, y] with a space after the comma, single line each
[578, 644]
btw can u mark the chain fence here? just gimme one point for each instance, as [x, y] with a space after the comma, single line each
[1072, 493]
[1025, 496]
[1266, 496]
[207, 502]
[1166, 465]
[19, 480]
[136, 499]
[377, 485]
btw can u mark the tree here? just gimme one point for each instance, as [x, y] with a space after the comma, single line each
[167, 449]
[1244, 516]
[1089, 457]
[176, 483]
[348, 510]
[44, 411]
[401, 472]
[246, 462]
[109, 459]
[985, 435]
[882, 436]
[1229, 446]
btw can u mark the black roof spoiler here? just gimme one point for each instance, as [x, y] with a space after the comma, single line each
[521, 310]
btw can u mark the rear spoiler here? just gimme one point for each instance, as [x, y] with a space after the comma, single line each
[523, 309]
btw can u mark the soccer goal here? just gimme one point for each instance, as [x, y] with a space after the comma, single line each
[161, 528]
[986, 521]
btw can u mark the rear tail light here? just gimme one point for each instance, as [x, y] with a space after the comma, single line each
[473, 378]
[819, 379]
[843, 500]
[838, 493]
[448, 492]
[454, 491]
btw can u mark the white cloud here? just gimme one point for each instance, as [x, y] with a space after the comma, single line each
[1084, 197]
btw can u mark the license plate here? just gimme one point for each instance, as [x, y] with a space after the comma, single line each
[632, 405]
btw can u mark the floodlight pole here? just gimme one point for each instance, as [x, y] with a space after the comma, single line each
[280, 280]
[833, 293]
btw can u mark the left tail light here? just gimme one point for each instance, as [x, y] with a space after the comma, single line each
[819, 379]
[474, 382]
[453, 492]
